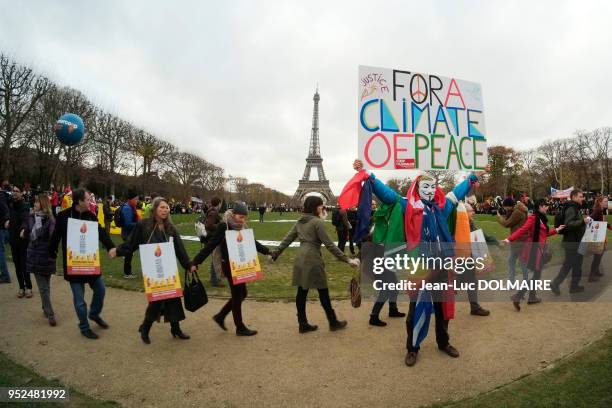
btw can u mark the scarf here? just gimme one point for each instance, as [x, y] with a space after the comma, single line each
[228, 218]
[413, 219]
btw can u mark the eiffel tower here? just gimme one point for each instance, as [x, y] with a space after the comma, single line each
[314, 160]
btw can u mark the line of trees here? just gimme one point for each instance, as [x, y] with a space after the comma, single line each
[582, 161]
[115, 155]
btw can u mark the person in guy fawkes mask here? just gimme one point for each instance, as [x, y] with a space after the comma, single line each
[426, 210]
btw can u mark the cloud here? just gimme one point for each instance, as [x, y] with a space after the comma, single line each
[234, 81]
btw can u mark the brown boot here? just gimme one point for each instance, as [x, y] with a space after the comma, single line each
[411, 358]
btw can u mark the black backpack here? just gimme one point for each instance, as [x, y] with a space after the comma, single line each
[118, 217]
[560, 217]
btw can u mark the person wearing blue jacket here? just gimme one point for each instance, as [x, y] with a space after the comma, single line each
[433, 234]
[130, 219]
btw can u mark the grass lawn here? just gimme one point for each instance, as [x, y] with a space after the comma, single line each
[581, 380]
[15, 375]
[276, 284]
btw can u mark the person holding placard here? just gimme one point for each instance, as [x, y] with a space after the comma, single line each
[233, 220]
[309, 268]
[156, 229]
[533, 254]
[599, 206]
[38, 229]
[78, 230]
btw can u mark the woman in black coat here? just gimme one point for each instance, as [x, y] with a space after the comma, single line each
[234, 220]
[157, 229]
[19, 211]
[38, 229]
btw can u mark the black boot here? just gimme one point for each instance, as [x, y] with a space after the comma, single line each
[245, 331]
[144, 329]
[375, 321]
[176, 331]
[334, 323]
[304, 326]
[394, 311]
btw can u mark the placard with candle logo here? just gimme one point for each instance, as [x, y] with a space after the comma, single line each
[159, 271]
[82, 251]
[242, 252]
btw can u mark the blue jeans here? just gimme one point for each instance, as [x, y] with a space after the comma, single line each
[514, 255]
[80, 306]
[4, 274]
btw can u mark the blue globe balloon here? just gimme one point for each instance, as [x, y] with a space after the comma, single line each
[69, 129]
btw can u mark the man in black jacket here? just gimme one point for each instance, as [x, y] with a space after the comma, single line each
[574, 230]
[80, 211]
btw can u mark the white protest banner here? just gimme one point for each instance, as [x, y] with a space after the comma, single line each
[159, 271]
[409, 120]
[242, 252]
[82, 252]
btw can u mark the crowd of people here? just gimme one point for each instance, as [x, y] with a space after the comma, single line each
[34, 225]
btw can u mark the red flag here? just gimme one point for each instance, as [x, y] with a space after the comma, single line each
[349, 197]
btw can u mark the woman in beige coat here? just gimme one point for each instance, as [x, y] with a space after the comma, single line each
[309, 268]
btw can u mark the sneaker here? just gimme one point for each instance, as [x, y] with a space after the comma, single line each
[21, 293]
[28, 293]
[89, 334]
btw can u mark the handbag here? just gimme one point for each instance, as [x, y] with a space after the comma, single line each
[546, 255]
[194, 294]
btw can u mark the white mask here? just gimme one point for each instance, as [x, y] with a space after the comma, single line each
[427, 189]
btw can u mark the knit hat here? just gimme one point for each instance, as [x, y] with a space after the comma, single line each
[508, 202]
[240, 208]
[131, 195]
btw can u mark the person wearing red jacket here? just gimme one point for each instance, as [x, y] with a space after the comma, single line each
[537, 231]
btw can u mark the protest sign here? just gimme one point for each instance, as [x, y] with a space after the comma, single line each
[82, 252]
[242, 252]
[409, 120]
[159, 271]
[594, 238]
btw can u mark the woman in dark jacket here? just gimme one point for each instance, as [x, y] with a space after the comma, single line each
[39, 228]
[537, 231]
[156, 229]
[597, 214]
[19, 243]
[233, 219]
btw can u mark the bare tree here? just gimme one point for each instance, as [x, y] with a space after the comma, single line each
[528, 158]
[20, 90]
[110, 135]
[151, 151]
[599, 146]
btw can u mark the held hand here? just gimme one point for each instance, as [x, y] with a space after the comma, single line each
[560, 228]
[588, 220]
[7, 224]
[358, 165]
[193, 269]
[274, 255]
[22, 234]
[505, 241]
[354, 263]
[112, 253]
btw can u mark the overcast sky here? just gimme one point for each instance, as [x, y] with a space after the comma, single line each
[234, 80]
